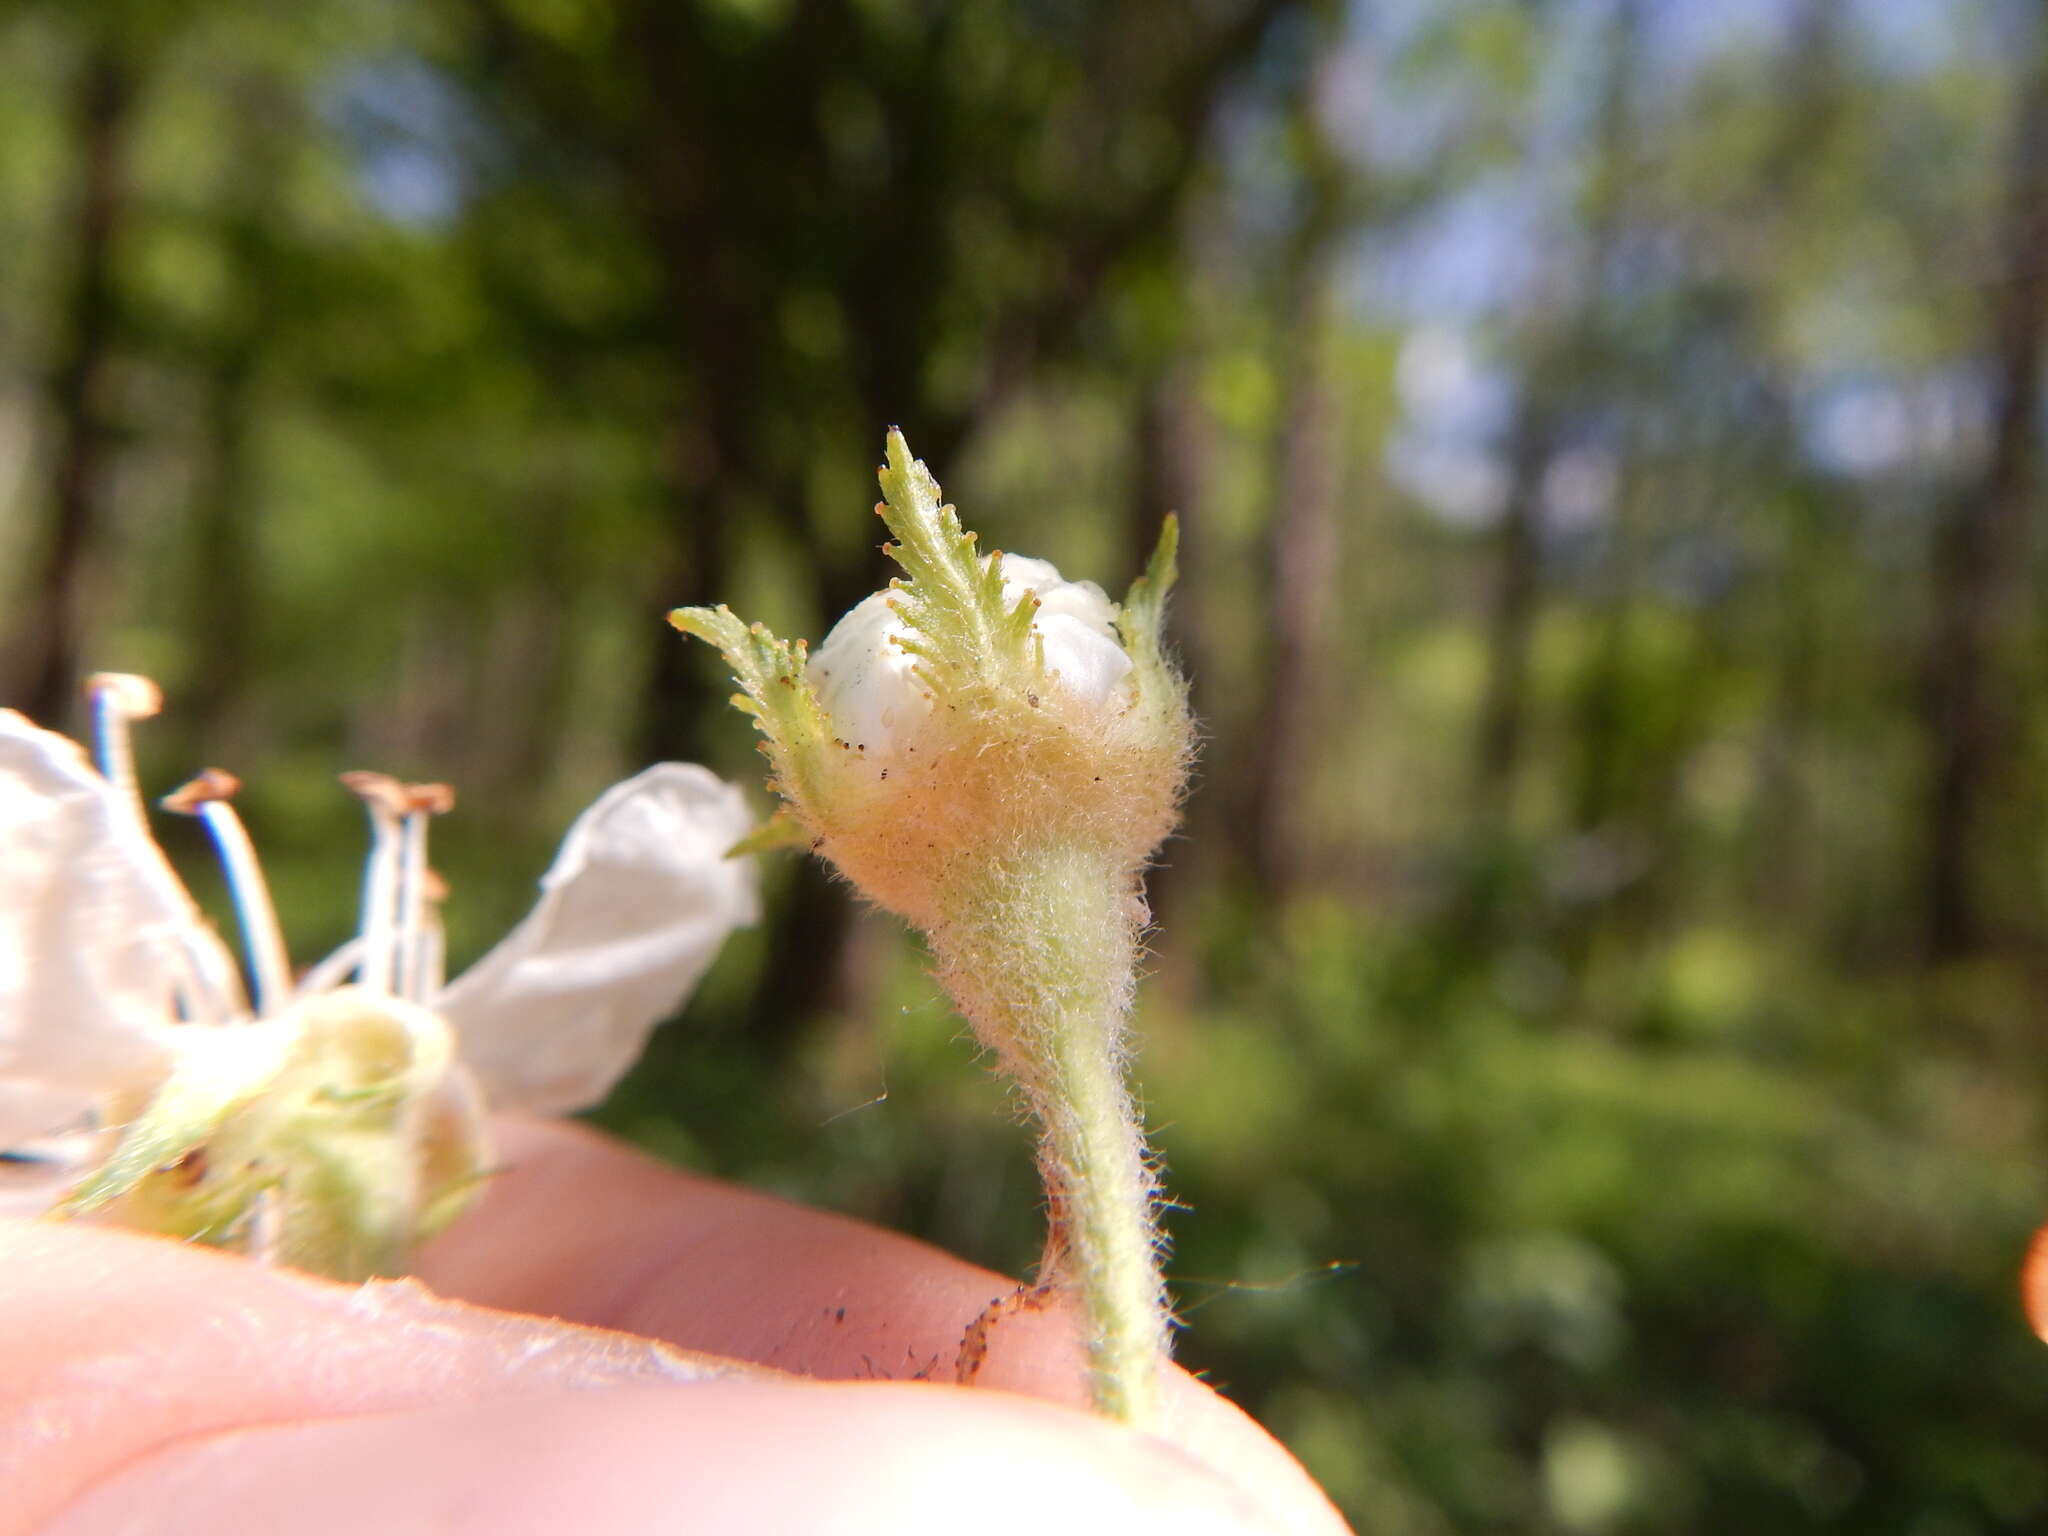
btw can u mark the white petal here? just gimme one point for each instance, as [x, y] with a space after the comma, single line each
[54, 1146]
[867, 686]
[29, 1188]
[633, 910]
[1082, 660]
[1077, 623]
[864, 679]
[95, 932]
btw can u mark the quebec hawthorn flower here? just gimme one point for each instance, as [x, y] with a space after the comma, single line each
[326, 1123]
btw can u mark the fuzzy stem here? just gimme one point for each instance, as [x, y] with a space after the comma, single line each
[1041, 957]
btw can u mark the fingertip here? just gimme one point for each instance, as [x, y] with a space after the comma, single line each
[588, 1229]
[733, 1454]
[114, 1344]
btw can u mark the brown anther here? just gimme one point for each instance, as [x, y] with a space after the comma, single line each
[429, 799]
[434, 889]
[132, 693]
[381, 791]
[212, 784]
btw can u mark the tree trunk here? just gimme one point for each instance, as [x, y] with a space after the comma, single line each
[1978, 556]
[43, 649]
[1302, 554]
[1511, 618]
[1563, 351]
[222, 591]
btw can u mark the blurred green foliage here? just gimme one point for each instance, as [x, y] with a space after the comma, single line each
[1593, 1035]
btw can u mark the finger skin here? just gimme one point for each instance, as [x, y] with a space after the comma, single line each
[732, 1455]
[148, 1386]
[114, 1345]
[579, 1227]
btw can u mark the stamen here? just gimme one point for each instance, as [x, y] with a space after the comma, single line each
[207, 798]
[207, 989]
[422, 802]
[386, 801]
[264, 1233]
[327, 973]
[430, 953]
[117, 699]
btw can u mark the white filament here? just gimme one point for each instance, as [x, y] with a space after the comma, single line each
[262, 937]
[380, 899]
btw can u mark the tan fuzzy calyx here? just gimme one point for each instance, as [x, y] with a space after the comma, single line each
[972, 787]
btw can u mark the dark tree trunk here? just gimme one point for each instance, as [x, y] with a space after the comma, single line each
[1167, 475]
[1978, 556]
[1511, 617]
[222, 587]
[1301, 556]
[1564, 351]
[43, 649]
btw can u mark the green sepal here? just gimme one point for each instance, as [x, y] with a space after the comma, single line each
[953, 597]
[779, 831]
[1142, 619]
[218, 1072]
[332, 1138]
[777, 693]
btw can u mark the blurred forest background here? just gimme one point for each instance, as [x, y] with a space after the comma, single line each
[1594, 1026]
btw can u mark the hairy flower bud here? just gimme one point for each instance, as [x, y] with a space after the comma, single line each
[982, 705]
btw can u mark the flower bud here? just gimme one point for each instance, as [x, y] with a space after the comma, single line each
[979, 704]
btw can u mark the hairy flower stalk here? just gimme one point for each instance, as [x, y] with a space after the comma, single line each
[994, 754]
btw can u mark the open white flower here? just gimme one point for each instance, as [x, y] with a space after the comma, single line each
[333, 1122]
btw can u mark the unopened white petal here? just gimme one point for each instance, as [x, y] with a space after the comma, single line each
[865, 680]
[634, 908]
[1077, 624]
[95, 935]
[1081, 660]
[868, 685]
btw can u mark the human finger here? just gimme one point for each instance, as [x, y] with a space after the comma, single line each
[160, 1387]
[580, 1227]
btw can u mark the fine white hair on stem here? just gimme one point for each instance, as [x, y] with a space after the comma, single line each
[207, 798]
